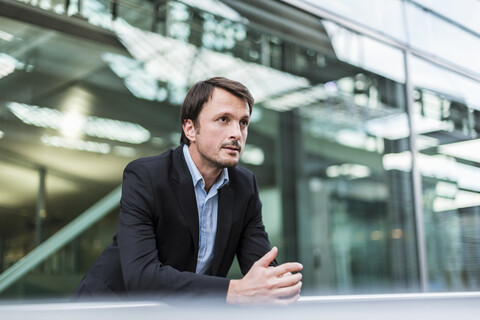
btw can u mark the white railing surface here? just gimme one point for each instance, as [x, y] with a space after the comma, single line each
[434, 306]
[61, 238]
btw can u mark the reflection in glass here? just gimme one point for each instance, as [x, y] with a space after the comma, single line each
[450, 169]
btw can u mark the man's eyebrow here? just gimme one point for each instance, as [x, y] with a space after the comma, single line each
[228, 113]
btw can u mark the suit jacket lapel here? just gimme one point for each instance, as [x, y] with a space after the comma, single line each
[182, 186]
[224, 224]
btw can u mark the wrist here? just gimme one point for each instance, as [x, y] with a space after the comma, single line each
[232, 292]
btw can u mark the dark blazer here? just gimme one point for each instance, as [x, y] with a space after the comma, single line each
[154, 252]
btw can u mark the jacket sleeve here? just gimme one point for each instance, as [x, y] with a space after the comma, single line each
[253, 242]
[142, 271]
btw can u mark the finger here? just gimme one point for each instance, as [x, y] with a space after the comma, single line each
[287, 292]
[267, 258]
[287, 267]
[286, 274]
[288, 281]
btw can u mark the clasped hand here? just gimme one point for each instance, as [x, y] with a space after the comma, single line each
[264, 284]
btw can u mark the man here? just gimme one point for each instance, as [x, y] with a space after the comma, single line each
[186, 213]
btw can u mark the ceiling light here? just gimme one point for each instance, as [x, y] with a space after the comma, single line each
[6, 36]
[396, 126]
[349, 170]
[439, 166]
[217, 8]
[71, 124]
[8, 64]
[110, 129]
[446, 189]
[468, 150]
[463, 199]
[81, 145]
[425, 142]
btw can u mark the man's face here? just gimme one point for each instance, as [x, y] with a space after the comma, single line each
[218, 138]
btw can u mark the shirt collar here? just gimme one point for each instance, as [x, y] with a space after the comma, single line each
[197, 176]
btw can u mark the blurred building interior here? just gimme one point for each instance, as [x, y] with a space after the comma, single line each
[364, 136]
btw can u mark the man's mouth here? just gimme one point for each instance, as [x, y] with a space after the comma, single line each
[233, 147]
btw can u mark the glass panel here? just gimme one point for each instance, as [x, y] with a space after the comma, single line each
[383, 16]
[463, 12]
[366, 53]
[442, 39]
[448, 143]
[356, 216]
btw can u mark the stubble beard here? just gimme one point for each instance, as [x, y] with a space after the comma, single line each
[217, 162]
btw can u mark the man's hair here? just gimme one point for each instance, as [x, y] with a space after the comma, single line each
[202, 91]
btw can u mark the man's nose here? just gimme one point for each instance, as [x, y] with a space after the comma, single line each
[235, 132]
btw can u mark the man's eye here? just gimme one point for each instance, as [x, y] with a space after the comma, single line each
[244, 123]
[222, 119]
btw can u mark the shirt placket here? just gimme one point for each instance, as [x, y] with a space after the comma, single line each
[201, 217]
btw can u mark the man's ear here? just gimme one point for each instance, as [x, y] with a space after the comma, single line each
[189, 129]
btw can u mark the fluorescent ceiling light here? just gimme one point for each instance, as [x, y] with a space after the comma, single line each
[468, 150]
[440, 167]
[396, 126]
[110, 129]
[81, 145]
[446, 189]
[349, 170]
[8, 64]
[398, 161]
[424, 142]
[358, 139]
[463, 199]
[6, 36]
[217, 8]
[71, 124]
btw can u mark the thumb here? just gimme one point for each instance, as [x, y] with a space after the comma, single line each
[268, 257]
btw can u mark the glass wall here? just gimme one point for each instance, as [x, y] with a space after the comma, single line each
[447, 123]
[329, 139]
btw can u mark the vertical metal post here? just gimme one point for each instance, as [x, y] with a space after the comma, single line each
[288, 154]
[80, 8]
[114, 4]
[67, 5]
[416, 179]
[41, 212]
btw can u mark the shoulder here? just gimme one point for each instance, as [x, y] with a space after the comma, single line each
[242, 179]
[158, 162]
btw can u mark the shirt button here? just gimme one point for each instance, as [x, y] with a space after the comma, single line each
[203, 229]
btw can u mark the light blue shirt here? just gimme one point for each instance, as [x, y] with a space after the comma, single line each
[207, 206]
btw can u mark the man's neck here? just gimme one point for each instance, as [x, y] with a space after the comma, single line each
[209, 173]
